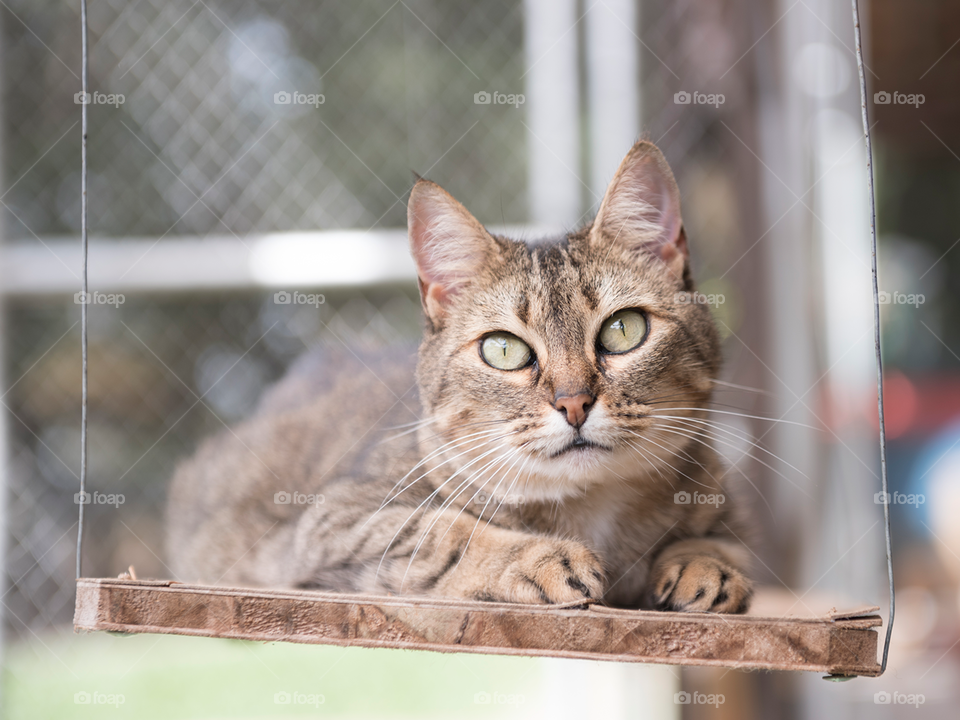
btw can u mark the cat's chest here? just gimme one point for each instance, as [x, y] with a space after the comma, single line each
[624, 533]
[618, 523]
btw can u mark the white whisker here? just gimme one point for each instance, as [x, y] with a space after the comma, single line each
[486, 436]
[743, 415]
[428, 499]
[699, 439]
[719, 427]
[444, 505]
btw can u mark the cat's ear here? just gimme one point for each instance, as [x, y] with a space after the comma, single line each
[448, 244]
[641, 209]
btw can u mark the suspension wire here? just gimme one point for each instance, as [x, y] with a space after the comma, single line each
[876, 327]
[876, 304]
[84, 64]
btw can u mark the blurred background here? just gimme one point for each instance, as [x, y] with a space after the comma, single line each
[244, 149]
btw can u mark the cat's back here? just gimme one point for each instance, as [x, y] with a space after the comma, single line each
[338, 415]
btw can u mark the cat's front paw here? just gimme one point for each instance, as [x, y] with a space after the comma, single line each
[700, 583]
[551, 571]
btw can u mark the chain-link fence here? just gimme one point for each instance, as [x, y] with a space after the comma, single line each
[240, 118]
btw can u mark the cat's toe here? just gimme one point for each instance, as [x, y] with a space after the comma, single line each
[701, 584]
[551, 571]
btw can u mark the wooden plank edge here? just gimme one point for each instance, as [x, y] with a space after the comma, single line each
[95, 599]
[418, 601]
[477, 650]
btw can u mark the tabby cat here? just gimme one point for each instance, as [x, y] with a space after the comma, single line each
[553, 449]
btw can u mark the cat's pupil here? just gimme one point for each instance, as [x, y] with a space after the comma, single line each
[618, 324]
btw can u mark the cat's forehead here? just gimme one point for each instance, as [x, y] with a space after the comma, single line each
[557, 283]
[565, 272]
[550, 272]
[557, 291]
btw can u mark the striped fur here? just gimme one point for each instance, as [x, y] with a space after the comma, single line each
[463, 483]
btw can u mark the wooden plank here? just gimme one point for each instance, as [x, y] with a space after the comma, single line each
[843, 643]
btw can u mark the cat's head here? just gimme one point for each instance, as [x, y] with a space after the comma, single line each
[549, 361]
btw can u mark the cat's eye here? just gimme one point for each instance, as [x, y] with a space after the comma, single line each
[622, 331]
[505, 351]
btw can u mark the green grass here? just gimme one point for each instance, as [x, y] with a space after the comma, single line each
[173, 677]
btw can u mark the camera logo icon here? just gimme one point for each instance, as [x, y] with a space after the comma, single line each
[881, 698]
[281, 698]
[881, 98]
[681, 698]
[681, 498]
[282, 297]
[81, 498]
[282, 498]
[482, 698]
[481, 98]
[82, 698]
[282, 98]
[81, 98]
[682, 98]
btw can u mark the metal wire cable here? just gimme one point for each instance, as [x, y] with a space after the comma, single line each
[876, 327]
[876, 306]
[83, 279]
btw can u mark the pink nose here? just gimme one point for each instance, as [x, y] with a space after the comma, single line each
[575, 406]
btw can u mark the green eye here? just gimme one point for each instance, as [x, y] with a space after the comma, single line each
[505, 351]
[623, 331]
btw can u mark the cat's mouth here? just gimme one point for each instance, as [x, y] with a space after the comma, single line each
[578, 445]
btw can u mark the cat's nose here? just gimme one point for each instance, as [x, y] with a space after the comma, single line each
[575, 407]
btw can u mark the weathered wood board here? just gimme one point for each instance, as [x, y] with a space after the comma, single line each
[838, 643]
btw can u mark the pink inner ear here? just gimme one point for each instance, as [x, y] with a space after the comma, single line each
[642, 206]
[447, 242]
[669, 218]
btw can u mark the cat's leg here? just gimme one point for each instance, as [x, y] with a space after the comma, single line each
[497, 564]
[701, 575]
[511, 566]
[451, 554]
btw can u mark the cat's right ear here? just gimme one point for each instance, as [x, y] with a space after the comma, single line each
[448, 244]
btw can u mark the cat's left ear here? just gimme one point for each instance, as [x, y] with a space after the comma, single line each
[641, 209]
[449, 246]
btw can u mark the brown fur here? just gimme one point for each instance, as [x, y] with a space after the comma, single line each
[473, 501]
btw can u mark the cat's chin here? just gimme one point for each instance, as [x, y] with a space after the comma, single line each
[567, 473]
